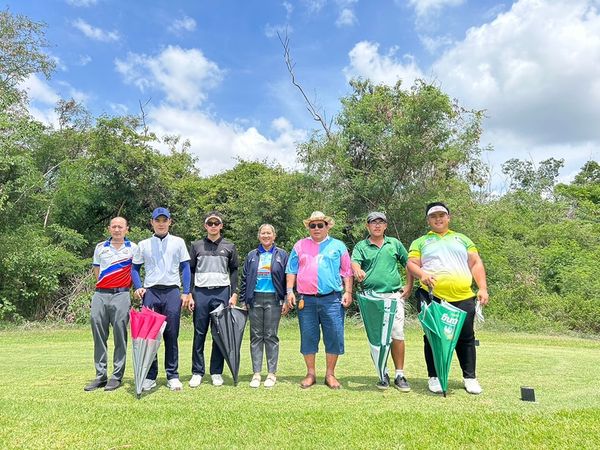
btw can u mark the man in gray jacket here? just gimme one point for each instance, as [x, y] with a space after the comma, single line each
[214, 264]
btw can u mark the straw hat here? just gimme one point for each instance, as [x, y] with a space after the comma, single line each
[318, 216]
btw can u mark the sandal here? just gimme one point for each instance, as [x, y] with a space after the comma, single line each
[333, 385]
[309, 381]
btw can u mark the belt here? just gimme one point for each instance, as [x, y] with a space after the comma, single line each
[112, 290]
[321, 295]
[212, 287]
[163, 287]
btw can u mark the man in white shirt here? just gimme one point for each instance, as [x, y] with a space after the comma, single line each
[163, 256]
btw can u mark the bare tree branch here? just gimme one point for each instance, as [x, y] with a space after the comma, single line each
[310, 106]
[143, 117]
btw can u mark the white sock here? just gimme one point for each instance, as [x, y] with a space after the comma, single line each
[399, 373]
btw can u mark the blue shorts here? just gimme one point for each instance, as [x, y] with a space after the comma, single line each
[328, 313]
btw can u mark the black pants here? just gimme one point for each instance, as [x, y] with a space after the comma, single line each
[465, 347]
[168, 303]
[206, 300]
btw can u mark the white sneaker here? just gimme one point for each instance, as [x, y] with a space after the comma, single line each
[148, 384]
[217, 379]
[255, 382]
[434, 385]
[195, 381]
[270, 381]
[472, 386]
[174, 384]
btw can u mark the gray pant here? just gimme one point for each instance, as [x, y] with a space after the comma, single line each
[264, 315]
[110, 309]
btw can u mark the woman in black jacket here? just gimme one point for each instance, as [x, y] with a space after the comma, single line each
[263, 291]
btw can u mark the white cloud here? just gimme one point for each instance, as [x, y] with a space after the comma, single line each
[183, 75]
[426, 7]
[289, 9]
[39, 91]
[82, 3]
[217, 143]
[434, 43]
[186, 23]
[95, 33]
[367, 62]
[118, 108]
[535, 68]
[346, 18]
[272, 30]
[84, 60]
[314, 6]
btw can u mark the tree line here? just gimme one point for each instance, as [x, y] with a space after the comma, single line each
[390, 148]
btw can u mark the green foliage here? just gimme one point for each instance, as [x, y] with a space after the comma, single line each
[32, 270]
[395, 149]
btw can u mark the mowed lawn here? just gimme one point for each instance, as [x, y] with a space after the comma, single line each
[43, 405]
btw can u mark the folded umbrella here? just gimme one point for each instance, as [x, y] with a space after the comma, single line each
[378, 313]
[147, 328]
[227, 327]
[442, 324]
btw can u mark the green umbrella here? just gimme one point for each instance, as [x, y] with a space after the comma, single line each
[378, 313]
[442, 324]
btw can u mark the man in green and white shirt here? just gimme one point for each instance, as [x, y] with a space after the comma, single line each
[447, 262]
[376, 263]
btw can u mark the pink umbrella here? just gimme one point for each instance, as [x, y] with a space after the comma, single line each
[147, 327]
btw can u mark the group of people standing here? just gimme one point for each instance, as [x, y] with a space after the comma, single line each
[316, 278]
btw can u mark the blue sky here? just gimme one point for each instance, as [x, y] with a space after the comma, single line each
[213, 71]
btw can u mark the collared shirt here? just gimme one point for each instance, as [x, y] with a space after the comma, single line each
[446, 257]
[161, 259]
[319, 266]
[214, 263]
[381, 264]
[114, 264]
[264, 280]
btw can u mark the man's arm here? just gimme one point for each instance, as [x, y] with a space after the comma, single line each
[233, 276]
[96, 271]
[137, 281]
[290, 282]
[414, 267]
[347, 297]
[478, 272]
[359, 274]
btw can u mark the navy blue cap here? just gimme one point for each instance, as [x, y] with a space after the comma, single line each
[161, 212]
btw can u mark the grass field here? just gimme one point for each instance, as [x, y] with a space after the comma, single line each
[43, 405]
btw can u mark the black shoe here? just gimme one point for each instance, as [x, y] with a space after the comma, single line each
[401, 384]
[95, 384]
[385, 383]
[112, 384]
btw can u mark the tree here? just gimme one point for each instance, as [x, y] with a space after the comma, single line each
[394, 149]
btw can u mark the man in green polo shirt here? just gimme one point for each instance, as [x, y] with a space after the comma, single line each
[375, 262]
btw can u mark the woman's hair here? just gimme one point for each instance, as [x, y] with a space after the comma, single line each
[267, 225]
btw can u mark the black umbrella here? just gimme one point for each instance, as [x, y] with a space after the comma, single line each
[228, 325]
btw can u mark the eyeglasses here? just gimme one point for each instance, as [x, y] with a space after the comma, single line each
[377, 222]
[319, 225]
[213, 224]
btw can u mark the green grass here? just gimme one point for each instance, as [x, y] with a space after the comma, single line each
[43, 405]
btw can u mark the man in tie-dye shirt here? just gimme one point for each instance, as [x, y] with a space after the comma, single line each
[447, 262]
[319, 266]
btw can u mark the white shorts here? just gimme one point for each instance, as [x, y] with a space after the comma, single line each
[398, 326]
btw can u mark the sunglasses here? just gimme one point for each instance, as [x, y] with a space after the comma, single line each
[312, 226]
[210, 223]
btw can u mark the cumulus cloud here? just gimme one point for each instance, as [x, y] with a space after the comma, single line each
[39, 90]
[367, 62]
[218, 143]
[314, 6]
[186, 23]
[535, 68]
[95, 33]
[184, 75]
